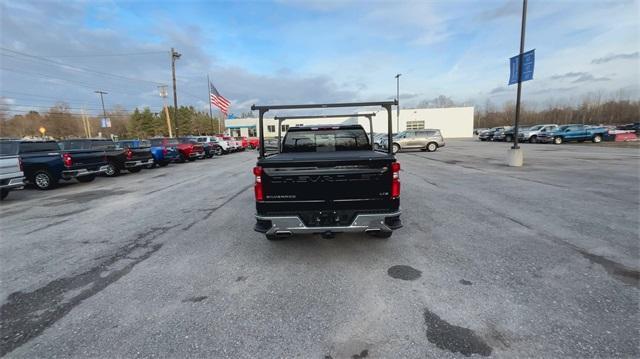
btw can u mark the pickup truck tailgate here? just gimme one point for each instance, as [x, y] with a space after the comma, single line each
[345, 180]
[90, 159]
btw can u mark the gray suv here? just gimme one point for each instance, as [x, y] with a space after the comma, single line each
[425, 140]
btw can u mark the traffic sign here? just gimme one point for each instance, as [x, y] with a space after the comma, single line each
[528, 60]
[105, 122]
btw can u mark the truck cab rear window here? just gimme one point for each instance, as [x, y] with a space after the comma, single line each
[27, 147]
[8, 148]
[326, 140]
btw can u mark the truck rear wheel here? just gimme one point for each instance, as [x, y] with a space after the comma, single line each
[43, 180]
[112, 170]
[85, 179]
[381, 234]
[597, 139]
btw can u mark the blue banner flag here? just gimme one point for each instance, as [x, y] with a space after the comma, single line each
[528, 60]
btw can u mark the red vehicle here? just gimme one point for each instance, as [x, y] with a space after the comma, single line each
[189, 149]
[254, 142]
[244, 141]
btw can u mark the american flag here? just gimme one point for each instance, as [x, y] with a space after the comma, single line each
[218, 100]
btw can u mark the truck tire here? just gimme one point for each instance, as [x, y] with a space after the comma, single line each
[273, 237]
[218, 151]
[533, 139]
[43, 180]
[381, 234]
[112, 170]
[134, 169]
[85, 179]
[432, 147]
[3, 194]
[597, 139]
[395, 148]
[558, 140]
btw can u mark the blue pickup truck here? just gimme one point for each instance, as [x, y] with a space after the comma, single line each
[164, 150]
[568, 133]
[45, 164]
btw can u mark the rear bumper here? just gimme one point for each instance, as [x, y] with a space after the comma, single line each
[83, 172]
[12, 183]
[138, 163]
[286, 225]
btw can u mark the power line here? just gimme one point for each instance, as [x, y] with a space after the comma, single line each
[49, 107]
[74, 67]
[41, 75]
[111, 55]
[67, 113]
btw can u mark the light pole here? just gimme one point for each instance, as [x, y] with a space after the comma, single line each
[174, 56]
[398, 99]
[104, 113]
[163, 93]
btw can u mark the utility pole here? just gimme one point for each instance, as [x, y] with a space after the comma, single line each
[163, 93]
[520, 61]
[515, 156]
[209, 97]
[398, 99]
[174, 56]
[104, 113]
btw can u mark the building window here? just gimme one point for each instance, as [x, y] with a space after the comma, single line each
[252, 131]
[271, 128]
[415, 125]
[285, 128]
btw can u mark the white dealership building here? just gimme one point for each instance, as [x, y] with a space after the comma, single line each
[453, 122]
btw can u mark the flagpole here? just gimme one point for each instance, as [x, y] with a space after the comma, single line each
[209, 97]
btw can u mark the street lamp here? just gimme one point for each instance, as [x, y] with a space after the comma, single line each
[398, 99]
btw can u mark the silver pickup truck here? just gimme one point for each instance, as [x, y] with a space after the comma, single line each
[11, 175]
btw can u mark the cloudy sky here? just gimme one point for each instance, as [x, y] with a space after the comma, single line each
[293, 51]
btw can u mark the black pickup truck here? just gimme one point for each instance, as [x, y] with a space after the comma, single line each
[119, 157]
[45, 164]
[327, 179]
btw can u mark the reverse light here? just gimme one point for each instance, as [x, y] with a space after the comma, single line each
[395, 180]
[67, 160]
[257, 171]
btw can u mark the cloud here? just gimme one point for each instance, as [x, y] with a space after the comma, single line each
[499, 90]
[612, 57]
[509, 8]
[577, 77]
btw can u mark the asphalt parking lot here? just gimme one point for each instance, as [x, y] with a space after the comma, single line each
[539, 261]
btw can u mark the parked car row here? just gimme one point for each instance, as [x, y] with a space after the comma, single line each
[44, 163]
[546, 133]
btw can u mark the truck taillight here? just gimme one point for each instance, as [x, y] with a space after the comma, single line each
[395, 181]
[129, 154]
[257, 171]
[67, 160]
